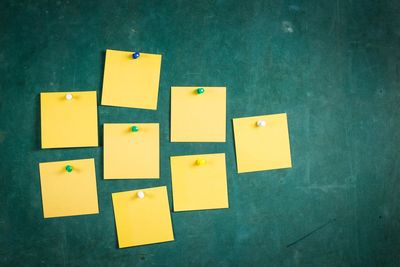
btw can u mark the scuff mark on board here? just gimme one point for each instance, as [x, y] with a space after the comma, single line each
[287, 26]
[294, 8]
[144, 256]
[2, 136]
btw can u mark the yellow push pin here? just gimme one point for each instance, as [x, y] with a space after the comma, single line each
[200, 162]
[140, 194]
[68, 96]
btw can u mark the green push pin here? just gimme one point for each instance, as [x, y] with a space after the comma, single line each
[68, 168]
[200, 91]
[135, 129]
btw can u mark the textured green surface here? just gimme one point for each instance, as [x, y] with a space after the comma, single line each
[333, 66]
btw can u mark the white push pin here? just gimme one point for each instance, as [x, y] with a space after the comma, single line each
[261, 123]
[68, 96]
[140, 194]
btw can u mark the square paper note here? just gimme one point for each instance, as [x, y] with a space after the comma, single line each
[198, 117]
[142, 221]
[261, 148]
[131, 150]
[69, 122]
[129, 82]
[67, 193]
[199, 182]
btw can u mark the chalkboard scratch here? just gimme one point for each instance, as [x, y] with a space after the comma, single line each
[192, 73]
[307, 131]
[74, 78]
[336, 20]
[327, 188]
[63, 247]
[311, 233]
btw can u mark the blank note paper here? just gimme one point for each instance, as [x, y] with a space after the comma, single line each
[68, 193]
[131, 82]
[131, 154]
[199, 182]
[69, 119]
[263, 147]
[198, 117]
[145, 220]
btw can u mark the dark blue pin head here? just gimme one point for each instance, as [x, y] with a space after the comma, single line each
[135, 55]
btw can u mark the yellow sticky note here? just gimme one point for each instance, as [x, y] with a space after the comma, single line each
[68, 193]
[265, 147]
[145, 220]
[199, 182]
[69, 119]
[129, 82]
[131, 154]
[198, 117]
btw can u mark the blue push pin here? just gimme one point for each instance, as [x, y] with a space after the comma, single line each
[135, 55]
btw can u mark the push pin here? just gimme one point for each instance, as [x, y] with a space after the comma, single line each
[261, 123]
[200, 162]
[200, 91]
[135, 129]
[136, 55]
[140, 194]
[68, 168]
[68, 96]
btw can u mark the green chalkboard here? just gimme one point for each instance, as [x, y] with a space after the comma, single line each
[332, 66]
